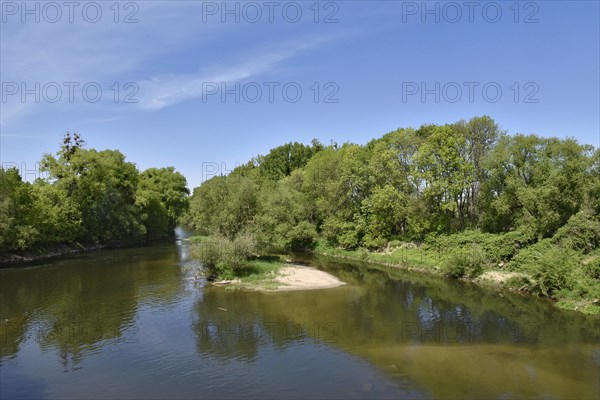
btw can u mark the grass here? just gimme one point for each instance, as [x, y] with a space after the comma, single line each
[508, 261]
[407, 256]
[260, 274]
[552, 268]
[237, 261]
[197, 238]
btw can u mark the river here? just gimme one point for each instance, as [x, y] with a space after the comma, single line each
[138, 323]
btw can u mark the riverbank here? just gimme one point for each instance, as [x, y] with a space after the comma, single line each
[412, 257]
[279, 277]
[54, 252]
[47, 253]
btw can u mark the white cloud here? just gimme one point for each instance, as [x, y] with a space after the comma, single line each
[83, 52]
[142, 53]
[165, 90]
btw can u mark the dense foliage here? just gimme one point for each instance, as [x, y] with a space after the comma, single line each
[224, 258]
[498, 195]
[460, 199]
[88, 197]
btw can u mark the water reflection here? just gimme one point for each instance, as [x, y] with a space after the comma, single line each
[140, 323]
[458, 340]
[77, 306]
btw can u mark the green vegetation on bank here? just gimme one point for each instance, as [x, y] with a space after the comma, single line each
[239, 259]
[88, 198]
[544, 269]
[464, 200]
[461, 199]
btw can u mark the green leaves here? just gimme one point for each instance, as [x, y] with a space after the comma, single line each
[224, 205]
[169, 188]
[407, 184]
[462, 263]
[91, 197]
[223, 258]
[537, 183]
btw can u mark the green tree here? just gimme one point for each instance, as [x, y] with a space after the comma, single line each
[169, 188]
[535, 184]
[283, 216]
[104, 185]
[17, 231]
[224, 205]
[447, 177]
[282, 160]
[385, 215]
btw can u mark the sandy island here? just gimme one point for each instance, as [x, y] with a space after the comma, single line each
[293, 277]
[298, 277]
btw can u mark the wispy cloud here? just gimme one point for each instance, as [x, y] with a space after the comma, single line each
[147, 53]
[24, 136]
[169, 89]
[83, 52]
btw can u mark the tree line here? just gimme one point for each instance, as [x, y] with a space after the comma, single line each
[457, 199]
[408, 184]
[88, 197]
[526, 203]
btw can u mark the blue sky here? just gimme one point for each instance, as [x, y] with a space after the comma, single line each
[361, 67]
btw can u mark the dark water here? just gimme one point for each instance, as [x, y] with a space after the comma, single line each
[136, 324]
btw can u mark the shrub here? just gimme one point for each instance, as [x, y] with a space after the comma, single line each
[338, 232]
[495, 247]
[222, 258]
[581, 233]
[553, 272]
[591, 268]
[394, 243]
[302, 236]
[503, 247]
[374, 242]
[531, 256]
[461, 263]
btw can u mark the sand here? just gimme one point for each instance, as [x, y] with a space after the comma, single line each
[298, 277]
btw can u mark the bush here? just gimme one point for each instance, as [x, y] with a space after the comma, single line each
[302, 236]
[374, 242]
[558, 272]
[581, 233]
[553, 272]
[591, 268]
[527, 258]
[394, 243]
[503, 247]
[342, 233]
[461, 263]
[224, 259]
[496, 248]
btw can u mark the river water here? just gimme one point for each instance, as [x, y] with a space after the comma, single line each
[138, 323]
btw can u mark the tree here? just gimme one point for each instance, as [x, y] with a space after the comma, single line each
[535, 184]
[104, 185]
[447, 176]
[224, 205]
[17, 231]
[169, 188]
[384, 216]
[282, 160]
[283, 217]
[481, 134]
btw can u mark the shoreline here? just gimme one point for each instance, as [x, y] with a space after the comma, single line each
[492, 279]
[63, 251]
[300, 277]
[287, 277]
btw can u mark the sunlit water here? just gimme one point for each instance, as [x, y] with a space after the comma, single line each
[138, 323]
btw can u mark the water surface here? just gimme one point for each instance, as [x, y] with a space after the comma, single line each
[137, 323]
